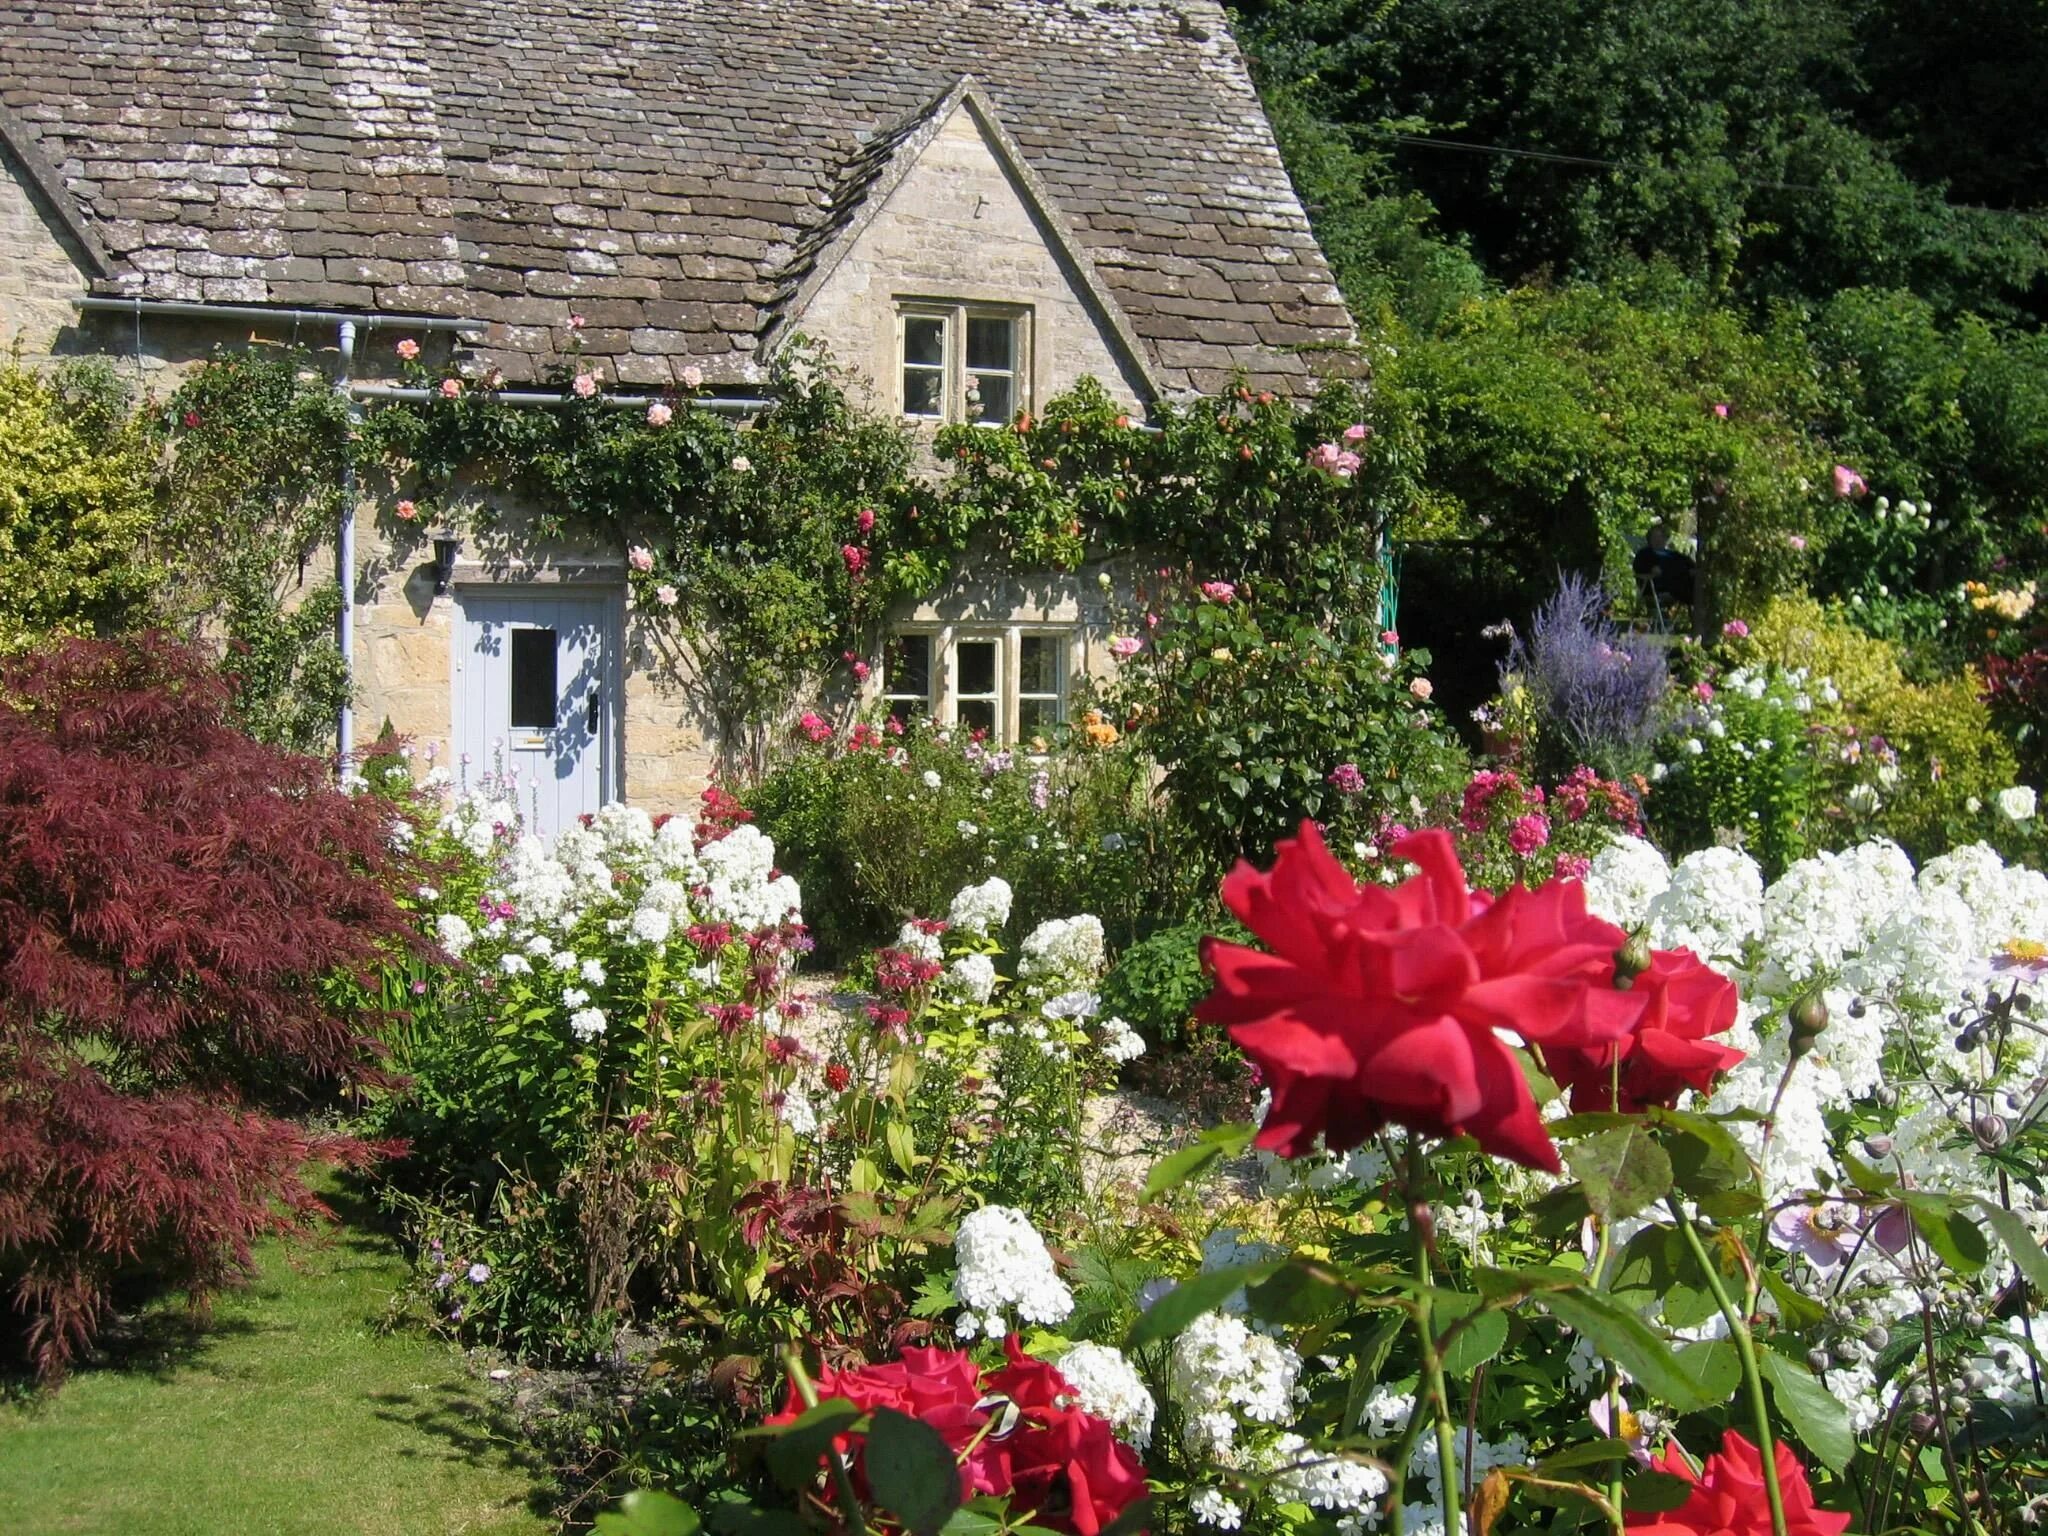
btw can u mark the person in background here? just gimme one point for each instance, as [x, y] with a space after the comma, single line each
[1668, 573]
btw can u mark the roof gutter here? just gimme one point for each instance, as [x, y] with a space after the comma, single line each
[539, 398]
[272, 314]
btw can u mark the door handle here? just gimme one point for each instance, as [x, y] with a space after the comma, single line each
[590, 715]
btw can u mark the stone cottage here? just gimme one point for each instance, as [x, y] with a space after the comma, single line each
[971, 202]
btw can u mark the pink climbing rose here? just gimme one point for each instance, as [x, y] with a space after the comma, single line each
[408, 349]
[585, 385]
[640, 557]
[451, 389]
[659, 415]
[1848, 483]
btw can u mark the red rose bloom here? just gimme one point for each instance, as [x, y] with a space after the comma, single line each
[1728, 1497]
[1062, 1462]
[1050, 1456]
[1668, 1050]
[1379, 1006]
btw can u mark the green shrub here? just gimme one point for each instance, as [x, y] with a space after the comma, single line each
[76, 515]
[886, 827]
[1950, 754]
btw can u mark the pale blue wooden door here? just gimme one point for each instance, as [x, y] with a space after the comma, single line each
[535, 696]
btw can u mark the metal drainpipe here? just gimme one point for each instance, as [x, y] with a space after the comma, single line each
[345, 557]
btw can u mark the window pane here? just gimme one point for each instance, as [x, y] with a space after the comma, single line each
[907, 666]
[991, 343]
[995, 398]
[908, 711]
[533, 679]
[924, 340]
[1038, 664]
[979, 715]
[977, 660]
[924, 392]
[1036, 717]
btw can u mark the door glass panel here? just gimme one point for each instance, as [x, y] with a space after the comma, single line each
[991, 343]
[534, 691]
[977, 662]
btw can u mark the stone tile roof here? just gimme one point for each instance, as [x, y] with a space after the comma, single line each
[661, 167]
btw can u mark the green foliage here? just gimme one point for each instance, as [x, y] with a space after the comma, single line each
[878, 841]
[1552, 425]
[1249, 710]
[1156, 983]
[1949, 755]
[76, 517]
[257, 445]
[1742, 142]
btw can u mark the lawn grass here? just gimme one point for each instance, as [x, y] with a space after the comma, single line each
[289, 1413]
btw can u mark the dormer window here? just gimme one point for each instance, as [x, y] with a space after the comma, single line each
[963, 362]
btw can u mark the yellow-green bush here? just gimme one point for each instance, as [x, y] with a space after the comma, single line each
[1949, 754]
[75, 512]
[1797, 631]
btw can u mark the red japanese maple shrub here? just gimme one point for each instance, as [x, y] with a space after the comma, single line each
[181, 908]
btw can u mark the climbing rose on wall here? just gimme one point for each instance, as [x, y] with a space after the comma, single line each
[1728, 1497]
[1380, 1006]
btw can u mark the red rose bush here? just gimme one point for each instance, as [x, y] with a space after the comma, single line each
[1017, 1431]
[1374, 1006]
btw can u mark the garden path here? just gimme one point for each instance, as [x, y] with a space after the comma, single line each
[291, 1412]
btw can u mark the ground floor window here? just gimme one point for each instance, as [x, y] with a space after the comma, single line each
[1008, 682]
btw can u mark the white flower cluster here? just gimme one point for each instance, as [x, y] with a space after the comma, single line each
[913, 940]
[972, 977]
[1350, 1490]
[744, 890]
[1120, 1042]
[1004, 1267]
[1063, 951]
[1110, 1388]
[1221, 1372]
[980, 909]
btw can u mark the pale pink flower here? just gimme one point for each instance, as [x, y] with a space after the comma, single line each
[1124, 647]
[1422, 687]
[576, 322]
[1357, 432]
[408, 349]
[1848, 483]
[659, 415]
[1219, 591]
[1721, 409]
[1390, 637]
[665, 595]
[1340, 463]
[451, 389]
[1796, 541]
[640, 557]
[1735, 629]
[585, 385]
[741, 464]
[1703, 691]
[406, 511]
[692, 377]
[1346, 779]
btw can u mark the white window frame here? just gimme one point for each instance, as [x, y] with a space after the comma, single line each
[955, 314]
[1008, 639]
[928, 701]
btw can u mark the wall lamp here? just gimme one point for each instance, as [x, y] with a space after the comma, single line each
[447, 546]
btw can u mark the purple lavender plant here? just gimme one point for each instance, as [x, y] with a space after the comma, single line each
[1598, 691]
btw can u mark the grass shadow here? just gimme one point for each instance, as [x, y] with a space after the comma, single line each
[473, 1430]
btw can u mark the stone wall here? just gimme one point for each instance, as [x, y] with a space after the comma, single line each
[40, 271]
[958, 226]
